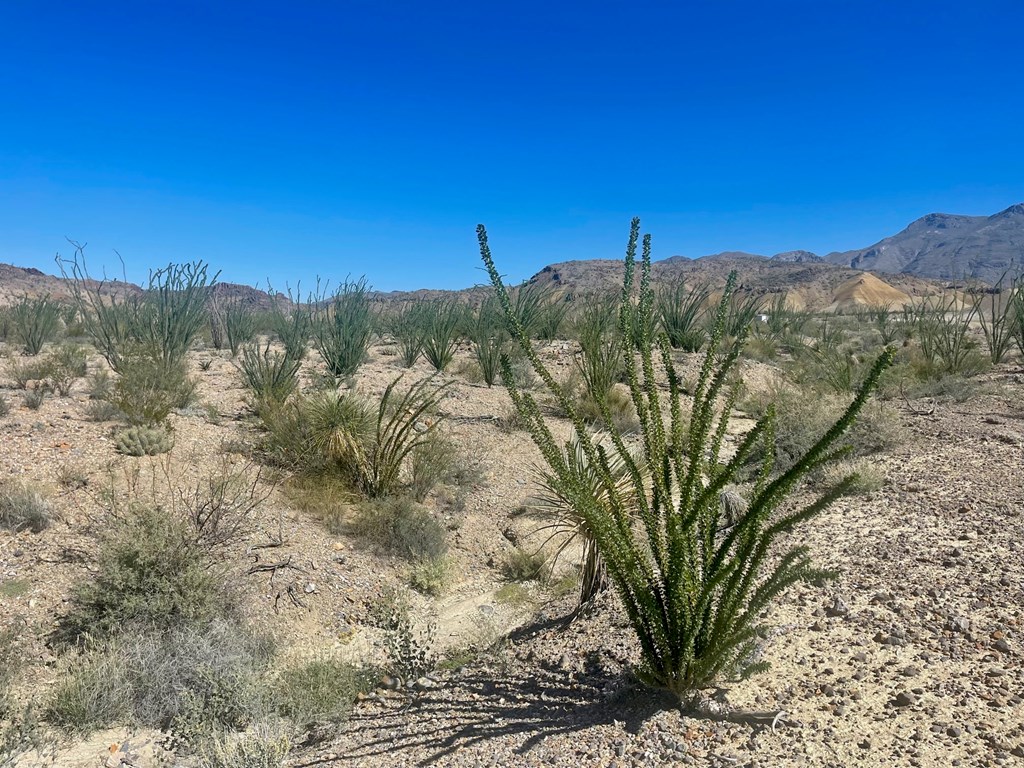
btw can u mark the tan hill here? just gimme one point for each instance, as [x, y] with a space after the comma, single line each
[806, 285]
[866, 290]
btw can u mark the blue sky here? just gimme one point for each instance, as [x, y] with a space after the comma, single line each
[285, 141]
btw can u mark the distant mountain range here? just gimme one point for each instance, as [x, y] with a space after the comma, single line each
[921, 260]
[948, 247]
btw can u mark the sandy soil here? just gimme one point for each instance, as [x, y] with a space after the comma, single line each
[913, 657]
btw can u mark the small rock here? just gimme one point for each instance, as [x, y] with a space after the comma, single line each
[837, 608]
[310, 588]
[954, 731]
[905, 699]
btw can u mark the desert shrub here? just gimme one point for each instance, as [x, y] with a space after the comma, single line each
[342, 328]
[265, 745]
[402, 527]
[100, 385]
[324, 496]
[101, 410]
[33, 398]
[868, 476]
[24, 508]
[694, 587]
[159, 323]
[23, 371]
[681, 312]
[5, 407]
[489, 339]
[431, 463]
[443, 322]
[152, 573]
[801, 421]
[942, 327]
[554, 311]
[35, 321]
[270, 376]
[615, 411]
[320, 690]
[292, 324]
[408, 648]
[189, 679]
[520, 565]
[148, 389]
[21, 731]
[430, 576]
[996, 319]
[64, 366]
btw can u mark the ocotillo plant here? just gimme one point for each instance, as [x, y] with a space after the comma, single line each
[694, 583]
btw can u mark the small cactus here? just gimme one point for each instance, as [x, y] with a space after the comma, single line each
[143, 441]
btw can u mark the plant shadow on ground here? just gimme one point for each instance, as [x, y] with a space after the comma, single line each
[533, 706]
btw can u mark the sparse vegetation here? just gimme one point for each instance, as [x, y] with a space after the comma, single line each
[35, 322]
[24, 508]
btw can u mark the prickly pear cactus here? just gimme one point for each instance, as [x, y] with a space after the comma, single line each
[143, 441]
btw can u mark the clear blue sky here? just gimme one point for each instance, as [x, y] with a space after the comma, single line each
[288, 140]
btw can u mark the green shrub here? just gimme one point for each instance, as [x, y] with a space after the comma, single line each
[402, 527]
[35, 322]
[342, 328]
[408, 649]
[152, 572]
[292, 324]
[520, 565]
[33, 398]
[160, 323]
[429, 576]
[232, 324]
[148, 389]
[431, 463]
[189, 679]
[64, 366]
[23, 508]
[101, 410]
[266, 745]
[143, 441]
[320, 690]
[23, 371]
[407, 324]
[694, 586]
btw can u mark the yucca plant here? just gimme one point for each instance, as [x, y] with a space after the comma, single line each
[694, 583]
[371, 445]
[35, 321]
[681, 311]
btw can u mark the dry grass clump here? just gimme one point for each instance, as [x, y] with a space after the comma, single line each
[24, 508]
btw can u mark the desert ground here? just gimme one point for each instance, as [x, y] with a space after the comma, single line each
[911, 657]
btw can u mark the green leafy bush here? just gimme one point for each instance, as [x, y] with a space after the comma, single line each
[152, 572]
[320, 690]
[148, 389]
[694, 585]
[403, 527]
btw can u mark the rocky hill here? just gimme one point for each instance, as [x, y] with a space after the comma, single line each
[948, 247]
